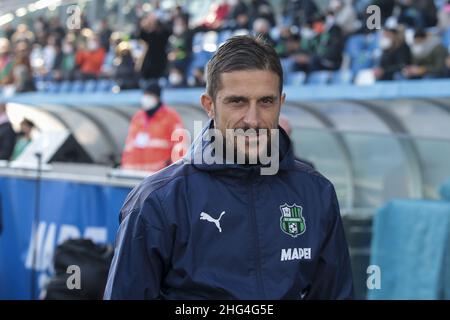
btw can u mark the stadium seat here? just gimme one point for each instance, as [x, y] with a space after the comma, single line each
[65, 86]
[446, 39]
[287, 64]
[223, 36]
[363, 60]
[355, 44]
[319, 77]
[104, 85]
[295, 78]
[342, 77]
[77, 86]
[373, 41]
[53, 86]
[197, 42]
[210, 41]
[365, 77]
[199, 60]
[40, 84]
[90, 86]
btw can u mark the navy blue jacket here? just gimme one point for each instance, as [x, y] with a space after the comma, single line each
[223, 231]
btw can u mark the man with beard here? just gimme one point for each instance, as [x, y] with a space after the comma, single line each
[217, 224]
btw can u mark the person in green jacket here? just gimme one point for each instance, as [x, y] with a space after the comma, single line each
[428, 57]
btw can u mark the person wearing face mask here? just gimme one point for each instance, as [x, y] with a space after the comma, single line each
[321, 47]
[180, 44]
[149, 146]
[124, 68]
[428, 57]
[6, 62]
[396, 54]
[90, 60]
[344, 16]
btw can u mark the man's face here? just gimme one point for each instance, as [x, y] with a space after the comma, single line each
[248, 99]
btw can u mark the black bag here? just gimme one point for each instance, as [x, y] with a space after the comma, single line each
[93, 261]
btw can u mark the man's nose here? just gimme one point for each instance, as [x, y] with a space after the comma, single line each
[251, 118]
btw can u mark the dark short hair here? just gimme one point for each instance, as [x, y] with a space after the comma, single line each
[241, 53]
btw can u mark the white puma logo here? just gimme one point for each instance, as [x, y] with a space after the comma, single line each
[207, 217]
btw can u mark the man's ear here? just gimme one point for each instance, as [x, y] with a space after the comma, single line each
[208, 105]
[283, 99]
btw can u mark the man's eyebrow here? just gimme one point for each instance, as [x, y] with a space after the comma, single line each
[231, 98]
[244, 98]
[273, 97]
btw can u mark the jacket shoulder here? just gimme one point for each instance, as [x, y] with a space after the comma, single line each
[155, 183]
[307, 170]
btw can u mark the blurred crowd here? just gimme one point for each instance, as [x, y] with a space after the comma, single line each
[166, 44]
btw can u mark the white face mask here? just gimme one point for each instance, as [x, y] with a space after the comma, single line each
[307, 33]
[419, 50]
[329, 22]
[178, 29]
[67, 49]
[149, 102]
[92, 45]
[334, 5]
[385, 43]
[175, 78]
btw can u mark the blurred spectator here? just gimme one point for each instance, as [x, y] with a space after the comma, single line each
[108, 63]
[90, 59]
[23, 139]
[104, 33]
[447, 66]
[8, 31]
[386, 8]
[418, 14]
[288, 43]
[67, 66]
[180, 44]
[198, 78]
[149, 146]
[37, 59]
[22, 34]
[49, 55]
[322, 45]
[428, 57]
[241, 22]
[21, 71]
[40, 26]
[56, 29]
[299, 12]
[6, 62]
[156, 37]
[124, 69]
[261, 9]
[396, 54]
[237, 7]
[7, 134]
[177, 77]
[217, 15]
[261, 28]
[345, 16]
[444, 16]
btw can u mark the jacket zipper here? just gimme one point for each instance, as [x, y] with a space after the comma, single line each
[255, 232]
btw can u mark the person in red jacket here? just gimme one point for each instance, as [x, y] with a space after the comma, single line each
[90, 59]
[149, 145]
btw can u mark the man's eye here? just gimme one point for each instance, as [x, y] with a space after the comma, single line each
[267, 100]
[237, 100]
